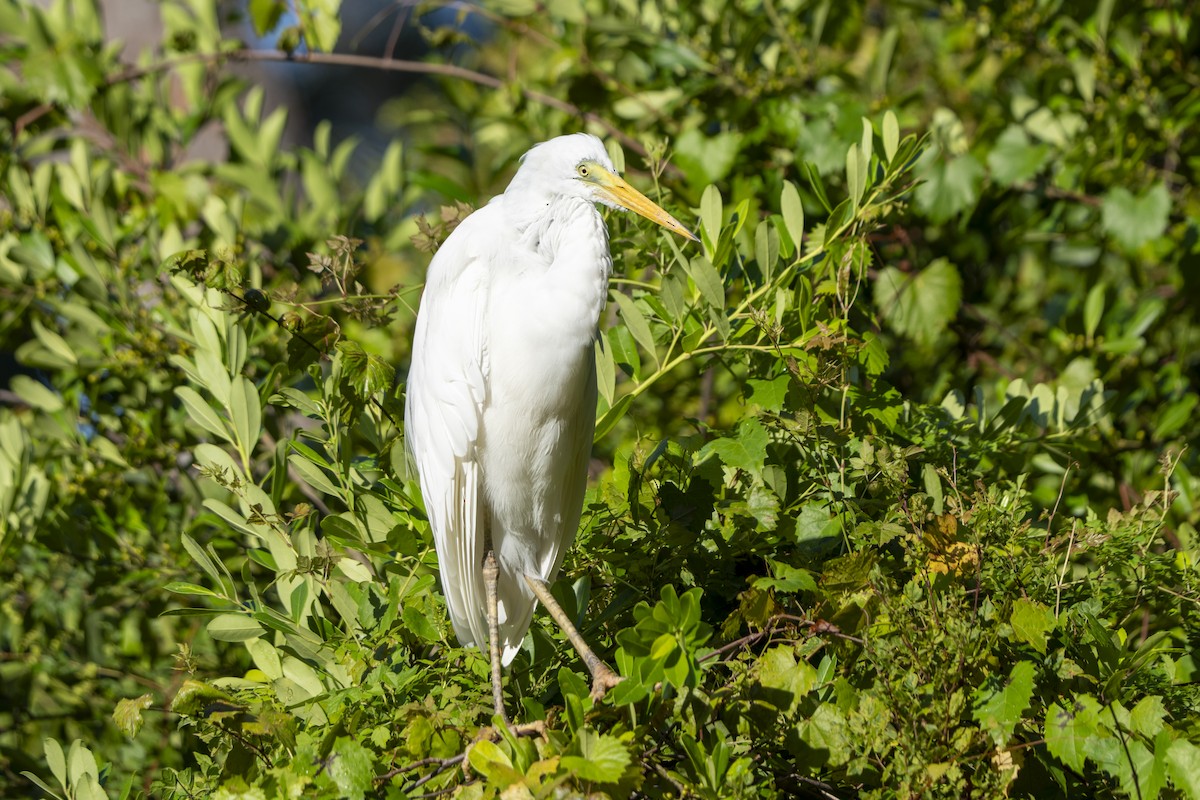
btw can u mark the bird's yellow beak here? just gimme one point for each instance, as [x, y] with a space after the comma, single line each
[614, 188]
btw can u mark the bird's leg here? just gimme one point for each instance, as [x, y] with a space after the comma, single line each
[603, 677]
[491, 576]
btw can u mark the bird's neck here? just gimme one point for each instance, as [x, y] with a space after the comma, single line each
[571, 238]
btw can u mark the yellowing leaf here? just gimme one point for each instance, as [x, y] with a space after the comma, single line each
[947, 555]
[128, 713]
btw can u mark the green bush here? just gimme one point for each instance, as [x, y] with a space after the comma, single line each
[896, 490]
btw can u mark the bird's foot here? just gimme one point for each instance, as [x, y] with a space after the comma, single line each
[603, 679]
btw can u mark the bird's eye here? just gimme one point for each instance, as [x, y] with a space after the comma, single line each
[582, 170]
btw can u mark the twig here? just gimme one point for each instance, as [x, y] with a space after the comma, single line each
[1062, 488]
[662, 773]
[1056, 193]
[1063, 572]
[1137, 786]
[444, 764]
[815, 628]
[391, 773]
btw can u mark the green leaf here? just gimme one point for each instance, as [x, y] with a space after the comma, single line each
[494, 764]
[663, 646]
[418, 622]
[635, 321]
[747, 451]
[672, 292]
[891, 135]
[1183, 767]
[54, 343]
[838, 218]
[919, 306]
[606, 369]
[1147, 716]
[706, 159]
[766, 248]
[1093, 309]
[1131, 762]
[786, 680]
[266, 657]
[624, 351]
[612, 416]
[234, 628]
[201, 557]
[867, 148]
[265, 14]
[1000, 709]
[711, 214]
[848, 573]
[80, 764]
[201, 412]
[786, 578]
[365, 374]
[320, 22]
[827, 730]
[313, 475]
[352, 768]
[1031, 621]
[55, 760]
[708, 281]
[813, 173]
[793, 213]
[36, 781]
[128, 714]
[853, 168]
[1068, 730]
[933, 488]
[181, 587]
[814, 522]
[245, 412]
[36, 394]
[598, 757]
[1175, 416]
[769, 394]
[951, 185]
[1134, 221]
[1014, 159]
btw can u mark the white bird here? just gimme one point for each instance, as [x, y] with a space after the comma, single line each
[501, 394]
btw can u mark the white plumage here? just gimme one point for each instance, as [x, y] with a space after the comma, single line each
[501, 394]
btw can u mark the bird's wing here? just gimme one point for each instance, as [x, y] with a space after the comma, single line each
[573, 487]
[445, 393]
[516, 601]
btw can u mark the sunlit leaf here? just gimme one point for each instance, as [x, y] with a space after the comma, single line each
[999, 708]
[1134, 220]
[601, 757]
[922, 305]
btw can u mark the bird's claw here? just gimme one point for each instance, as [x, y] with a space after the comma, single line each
[603, 679]
[492, 733]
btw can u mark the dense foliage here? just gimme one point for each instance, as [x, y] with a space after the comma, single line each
[895, 488]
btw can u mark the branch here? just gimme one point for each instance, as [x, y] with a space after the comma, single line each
[817, 627]
[377, 63]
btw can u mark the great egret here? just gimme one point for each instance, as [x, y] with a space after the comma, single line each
[501, 394]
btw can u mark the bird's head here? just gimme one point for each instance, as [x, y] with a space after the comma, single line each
[577, 165]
